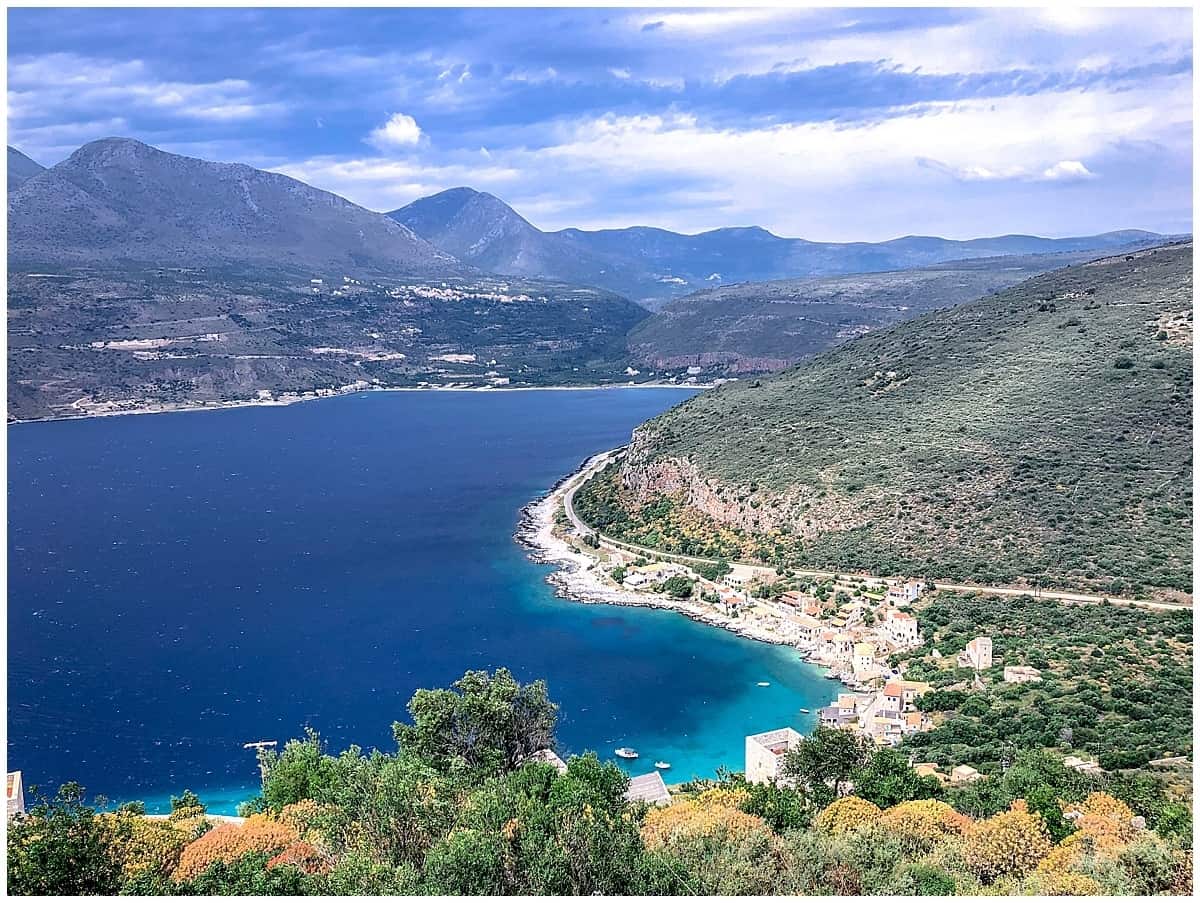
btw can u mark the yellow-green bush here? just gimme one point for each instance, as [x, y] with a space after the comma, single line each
[847, 814]
[1008, 845]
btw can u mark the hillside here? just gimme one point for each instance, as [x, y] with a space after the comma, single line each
[1042, 433]
[118, 201]
[654, 265]
[97, 341]
[21, 169]
[142, 280]
[759, 327]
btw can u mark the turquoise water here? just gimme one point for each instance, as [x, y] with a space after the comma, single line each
[181, 584]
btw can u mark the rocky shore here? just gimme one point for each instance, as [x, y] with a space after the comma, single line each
[578, 576]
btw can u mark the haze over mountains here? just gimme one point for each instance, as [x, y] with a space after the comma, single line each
[647, 264]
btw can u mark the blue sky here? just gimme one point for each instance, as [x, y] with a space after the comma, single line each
[823, 124]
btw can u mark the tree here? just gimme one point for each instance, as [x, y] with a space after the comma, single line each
[823, 763]
[301, 772]
[887, 779]
[487, 723]
[60, 847]
[678, 587]
[714, 571]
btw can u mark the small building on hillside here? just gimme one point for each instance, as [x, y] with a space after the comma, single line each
[765, 754]
[903, 594]
[964, 774]
[16, 794]
[648, 788]
[978, 654]
[1021, 674]
[901, 628]
[865, 668]
[832, 716]
[912, 690]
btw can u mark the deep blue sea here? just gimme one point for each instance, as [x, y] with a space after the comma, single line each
[180, 584]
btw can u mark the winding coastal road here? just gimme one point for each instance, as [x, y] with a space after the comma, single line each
[598, 462]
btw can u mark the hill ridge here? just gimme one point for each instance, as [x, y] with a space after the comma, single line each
[1040, 433]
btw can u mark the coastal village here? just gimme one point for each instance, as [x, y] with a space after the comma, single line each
[852, 626]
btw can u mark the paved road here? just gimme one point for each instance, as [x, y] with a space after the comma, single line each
[598, 462]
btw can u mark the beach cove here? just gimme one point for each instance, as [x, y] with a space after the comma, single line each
[183, 584]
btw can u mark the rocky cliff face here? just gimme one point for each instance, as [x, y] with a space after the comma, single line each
[803, 510]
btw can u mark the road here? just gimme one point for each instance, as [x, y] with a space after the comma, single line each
[598, 462]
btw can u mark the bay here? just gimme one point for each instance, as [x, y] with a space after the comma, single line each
[181, 584]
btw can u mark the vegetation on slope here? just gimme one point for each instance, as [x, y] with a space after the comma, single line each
[1041, 434]
[1116, 681]
[459, 809]
[758, 327]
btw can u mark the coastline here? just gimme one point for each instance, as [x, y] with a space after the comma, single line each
[576, 579]
[317, 395]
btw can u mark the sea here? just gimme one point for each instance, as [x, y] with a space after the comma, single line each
[182, 584]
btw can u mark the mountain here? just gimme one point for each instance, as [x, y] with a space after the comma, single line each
[1042, 433]
[117, 200]
[480, 229]
[143, 280]
[650, 265]
[21, 169]
[758, 327]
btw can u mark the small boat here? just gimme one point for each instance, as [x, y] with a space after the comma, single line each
[626, 753]
[804, 711]
[663, 766]
[763, 683]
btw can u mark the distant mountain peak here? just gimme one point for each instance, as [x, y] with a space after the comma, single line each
[21, 169]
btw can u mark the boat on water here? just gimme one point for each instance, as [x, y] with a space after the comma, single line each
[804, 711]
[763, 683]
[662, 766]
[626, 753]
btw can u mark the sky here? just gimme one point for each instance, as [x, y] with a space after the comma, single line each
[826, 124]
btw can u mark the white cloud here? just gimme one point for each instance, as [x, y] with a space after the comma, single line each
[919, 169]
[401, 130]
[1067, 171]
[714, 21]
[60, 83]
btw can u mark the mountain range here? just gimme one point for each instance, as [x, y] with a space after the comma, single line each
[118, 200]
[650, 265]
[140, 277]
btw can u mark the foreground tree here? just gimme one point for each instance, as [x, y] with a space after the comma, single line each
[61, 847]
[487, 724]
[824, 763]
